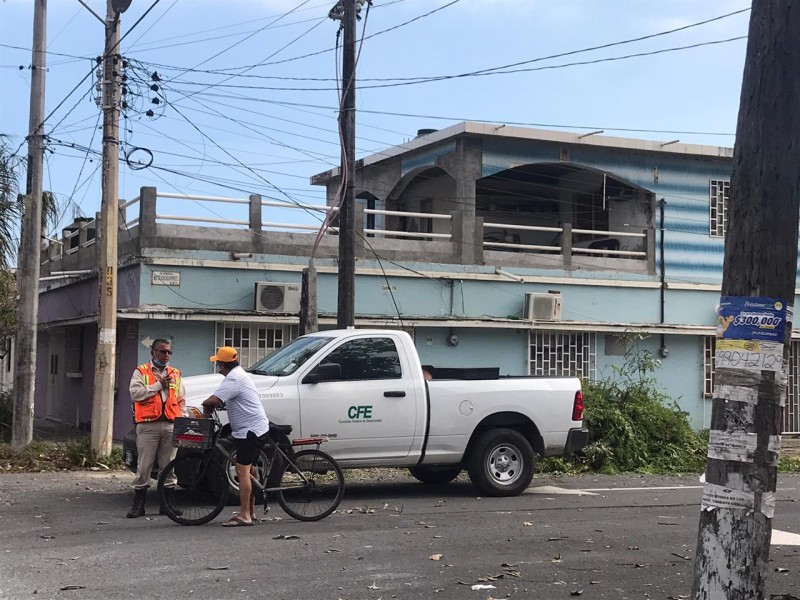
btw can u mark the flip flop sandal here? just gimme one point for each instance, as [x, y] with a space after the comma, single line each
[236, 522]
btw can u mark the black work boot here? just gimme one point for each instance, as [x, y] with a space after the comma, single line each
[138, 504]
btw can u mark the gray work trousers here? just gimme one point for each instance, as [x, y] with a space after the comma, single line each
[153, 440]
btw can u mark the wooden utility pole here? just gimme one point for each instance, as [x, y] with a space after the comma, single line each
[345, 315]
[309, 321]
[105, 358]
[28, 267]
[754, 325]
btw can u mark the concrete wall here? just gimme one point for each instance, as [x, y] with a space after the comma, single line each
[488, 347]
[680, 376]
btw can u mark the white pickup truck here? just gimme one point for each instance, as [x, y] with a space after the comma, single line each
[365, 391]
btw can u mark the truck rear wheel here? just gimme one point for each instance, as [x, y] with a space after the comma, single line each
[501, 463]
[435, 476]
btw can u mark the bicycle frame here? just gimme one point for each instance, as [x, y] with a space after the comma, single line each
[285, 456]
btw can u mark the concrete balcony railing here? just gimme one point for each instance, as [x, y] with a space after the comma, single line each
[254, 225]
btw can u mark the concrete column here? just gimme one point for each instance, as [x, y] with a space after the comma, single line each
[255, 212]
[467, 238]
[465, 167]
[361, 247]
[83, 234]
[650, 245]
[147, 214]
[123, 215]
[566, 245]
[477, 235]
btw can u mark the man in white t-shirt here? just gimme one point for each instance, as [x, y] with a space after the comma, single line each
[249, 425]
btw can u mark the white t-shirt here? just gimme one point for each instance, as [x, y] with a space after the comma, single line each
[245, 411]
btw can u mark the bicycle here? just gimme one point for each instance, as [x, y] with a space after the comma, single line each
[193, 488]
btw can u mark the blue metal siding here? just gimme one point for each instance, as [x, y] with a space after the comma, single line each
[691, 254]
[426, 158]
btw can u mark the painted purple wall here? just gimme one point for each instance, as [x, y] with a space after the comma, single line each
[79, 299]
[127, 342]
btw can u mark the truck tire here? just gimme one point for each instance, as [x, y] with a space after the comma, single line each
[435, 476]
[501, 463]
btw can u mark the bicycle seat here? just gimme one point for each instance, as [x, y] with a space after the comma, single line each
[284, 429]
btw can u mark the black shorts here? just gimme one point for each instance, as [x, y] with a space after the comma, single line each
[247, 448]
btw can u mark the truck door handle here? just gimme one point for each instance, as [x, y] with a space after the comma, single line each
[395, 394]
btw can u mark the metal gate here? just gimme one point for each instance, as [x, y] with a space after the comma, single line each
[791, 412]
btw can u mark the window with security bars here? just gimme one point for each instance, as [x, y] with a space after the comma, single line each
[791, 411]
[719, 197]
[709, 347]
[557, 353]
[253, 341]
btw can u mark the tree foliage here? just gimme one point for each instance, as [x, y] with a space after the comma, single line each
[12, 207]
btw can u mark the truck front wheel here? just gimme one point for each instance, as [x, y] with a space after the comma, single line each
[501, 463]
[435, 476]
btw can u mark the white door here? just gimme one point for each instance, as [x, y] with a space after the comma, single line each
[372, 411]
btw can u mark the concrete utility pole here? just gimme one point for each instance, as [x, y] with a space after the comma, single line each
[28, 267]
[105, 361]
[345, 315]
[754, 326]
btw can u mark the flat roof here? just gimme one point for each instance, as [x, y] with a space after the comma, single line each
[528, 133]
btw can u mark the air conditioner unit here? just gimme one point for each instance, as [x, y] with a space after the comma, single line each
[543, 307]
[271, 297]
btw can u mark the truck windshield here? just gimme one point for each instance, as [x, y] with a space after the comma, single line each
[289, 358]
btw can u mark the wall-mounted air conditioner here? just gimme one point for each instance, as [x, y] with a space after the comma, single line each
[271, 297]
[543, 307]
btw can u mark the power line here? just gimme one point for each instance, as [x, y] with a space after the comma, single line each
[248, 22]
[91, 71]
[480, 71]
[485, 73]
[417, 18]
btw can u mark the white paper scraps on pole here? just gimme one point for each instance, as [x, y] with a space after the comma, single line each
[736, 393]
[768, 504]
[107, 336]
[732, 445]
[717, 496]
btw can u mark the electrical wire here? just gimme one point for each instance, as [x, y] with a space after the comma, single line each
[230, 47]
[500, 67]
[91, 71]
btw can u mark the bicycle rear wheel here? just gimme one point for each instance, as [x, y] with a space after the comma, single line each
[198, 497]
[311, 486]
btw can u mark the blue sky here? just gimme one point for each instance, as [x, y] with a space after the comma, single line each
[256, 115]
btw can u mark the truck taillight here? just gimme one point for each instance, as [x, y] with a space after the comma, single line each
[577, 408]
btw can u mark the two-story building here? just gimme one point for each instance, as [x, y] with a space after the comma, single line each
[538, 252]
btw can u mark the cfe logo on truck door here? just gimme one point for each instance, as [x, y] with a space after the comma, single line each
[360, 414]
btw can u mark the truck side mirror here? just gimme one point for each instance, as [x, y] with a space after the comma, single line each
[324, 372]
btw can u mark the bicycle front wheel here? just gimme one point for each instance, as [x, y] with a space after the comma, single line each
[190, 489]
[312, 485]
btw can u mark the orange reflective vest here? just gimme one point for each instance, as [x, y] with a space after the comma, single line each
[151, 408]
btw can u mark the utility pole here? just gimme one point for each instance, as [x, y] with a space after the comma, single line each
[754, 324]
[345, 315]
[105, 358]
[28, 267]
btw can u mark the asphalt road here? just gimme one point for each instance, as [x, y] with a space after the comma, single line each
[65, 536]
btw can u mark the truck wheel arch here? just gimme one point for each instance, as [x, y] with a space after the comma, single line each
[507, 420]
